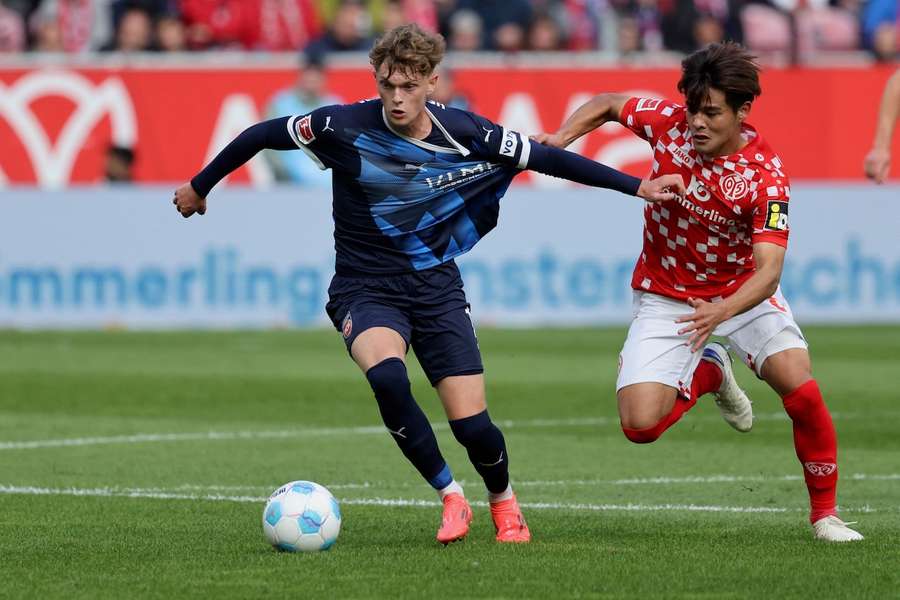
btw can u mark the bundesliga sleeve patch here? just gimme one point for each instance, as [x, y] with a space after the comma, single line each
[304, 129]
[777, 215]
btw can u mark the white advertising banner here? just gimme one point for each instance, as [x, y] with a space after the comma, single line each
[122, 256]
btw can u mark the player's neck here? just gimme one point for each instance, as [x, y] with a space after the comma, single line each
[419, 129]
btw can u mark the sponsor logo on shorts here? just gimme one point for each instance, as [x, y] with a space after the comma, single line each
[733, 187]
[777, 215]
[820, 469]
[304, 129]
[347, 326]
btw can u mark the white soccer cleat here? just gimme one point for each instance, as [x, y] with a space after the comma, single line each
[736, 408]
[832, 529]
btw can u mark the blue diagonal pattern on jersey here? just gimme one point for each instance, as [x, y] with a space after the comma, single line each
[411, 211]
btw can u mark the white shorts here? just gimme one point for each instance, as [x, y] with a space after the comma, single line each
[655, 352]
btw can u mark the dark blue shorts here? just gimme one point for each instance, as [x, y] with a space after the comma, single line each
[427, 308]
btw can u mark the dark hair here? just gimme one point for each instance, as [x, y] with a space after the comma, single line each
[123, 153]
[727, 67]
[409, 49]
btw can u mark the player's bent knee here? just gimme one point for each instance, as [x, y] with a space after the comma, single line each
[645, 435]
[388, 378]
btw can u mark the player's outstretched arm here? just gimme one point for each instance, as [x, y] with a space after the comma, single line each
[574, 167]
[878, 161]
[600, 109]
[272, 134]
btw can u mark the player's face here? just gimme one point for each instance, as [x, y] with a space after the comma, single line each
[404, 95]
[716, 127]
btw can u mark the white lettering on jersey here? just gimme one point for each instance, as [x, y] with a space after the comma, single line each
[509, 143]
[697, 190]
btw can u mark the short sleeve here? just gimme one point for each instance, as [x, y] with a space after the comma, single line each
[320, 133]
[770, 214]
[649, 117]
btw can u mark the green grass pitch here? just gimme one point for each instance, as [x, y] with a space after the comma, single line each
[136, 464]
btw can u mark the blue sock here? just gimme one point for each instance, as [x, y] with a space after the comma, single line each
[407, 423]
[486, 448]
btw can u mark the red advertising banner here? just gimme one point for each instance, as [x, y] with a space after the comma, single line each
[56, 123]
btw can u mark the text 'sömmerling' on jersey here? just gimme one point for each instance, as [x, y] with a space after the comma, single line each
[701, 245]
[402, 204]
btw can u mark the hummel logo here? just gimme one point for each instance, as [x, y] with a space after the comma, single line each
[487, 135]
[398, 433]
[327, 125]
[493, 464]
[409, 167]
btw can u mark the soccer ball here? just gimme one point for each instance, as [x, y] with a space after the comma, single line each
[301, 516]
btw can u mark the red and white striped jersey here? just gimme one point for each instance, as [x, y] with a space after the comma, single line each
[701, 245]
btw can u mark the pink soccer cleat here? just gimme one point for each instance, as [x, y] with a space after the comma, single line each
[509, 522]
[456, 519]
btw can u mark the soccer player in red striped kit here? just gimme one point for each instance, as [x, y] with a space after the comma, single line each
[711, 264]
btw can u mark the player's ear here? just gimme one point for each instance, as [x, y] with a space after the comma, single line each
[432, 82]
[743, 111]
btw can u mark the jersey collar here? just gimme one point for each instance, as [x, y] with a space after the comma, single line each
[456, 149]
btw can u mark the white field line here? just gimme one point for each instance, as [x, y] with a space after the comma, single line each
[142, 438]
[403, 502]
[691, 479]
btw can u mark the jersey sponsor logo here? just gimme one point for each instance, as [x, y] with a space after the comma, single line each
[509, 143]
[304, 129]
[733, 187]
[458, 176]
[347, 326]
[697, 189]
[327, 124]
[683, 157]
[820, 469]
[777, 215]
[647, 104]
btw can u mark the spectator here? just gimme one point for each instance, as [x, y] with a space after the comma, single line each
[133, 32]
[688, 25]
[12, 30]
[447, 93]
[308, 93]
[400, 12]
[496, 14]
[345, 34]
[879, 23]
[466, 31]
[545, 34]
[271, 25]
[71, 25]
[171, 35]
[119, 164]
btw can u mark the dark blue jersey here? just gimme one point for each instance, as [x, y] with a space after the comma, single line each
[402, 204]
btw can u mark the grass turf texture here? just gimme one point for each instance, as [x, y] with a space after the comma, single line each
[557, 388]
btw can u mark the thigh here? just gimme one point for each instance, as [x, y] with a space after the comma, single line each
[643, 405]
[787, 370]
[375, 345]
[763, 331]
[654, 351]
[446, 345]
[462, 395]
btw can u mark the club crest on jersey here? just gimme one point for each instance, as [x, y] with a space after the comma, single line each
[777, 215]
[820, 469]
[733, 187]
[304, 129]
[347, 326]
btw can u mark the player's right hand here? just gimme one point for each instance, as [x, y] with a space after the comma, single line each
[877, 164]
[188, 202]
[549, 139]
[661, 189]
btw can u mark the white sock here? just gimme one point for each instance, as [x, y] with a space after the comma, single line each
[504, 495]
[453, 488]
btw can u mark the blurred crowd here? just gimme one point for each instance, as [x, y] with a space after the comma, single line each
[800, 29]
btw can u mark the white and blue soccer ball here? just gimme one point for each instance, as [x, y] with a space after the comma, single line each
[302, 516]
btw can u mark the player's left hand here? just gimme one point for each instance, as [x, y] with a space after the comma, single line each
[877, 164]
[702, 322]
[661, 189]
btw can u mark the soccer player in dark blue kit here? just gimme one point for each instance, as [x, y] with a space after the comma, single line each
[416, 184]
